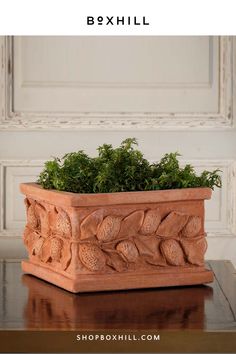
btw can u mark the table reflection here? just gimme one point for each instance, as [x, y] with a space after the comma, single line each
[49, 307]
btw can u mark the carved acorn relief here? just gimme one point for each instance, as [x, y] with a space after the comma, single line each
[56, 248]
[193, 226]
[32, 218]
[109, 228]
[151, 222]
[63, 225]
[142, 234]
[92, 257]
[173, 252]
[109, 241]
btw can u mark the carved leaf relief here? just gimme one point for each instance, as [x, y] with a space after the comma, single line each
[172, 224]
[116, 262]
[128, 250]
[157, 260]
[90, 224]
[195, 250]
[65, 254]
[30, 237]
[120, 242]
[49, 249]
[44, 219]
[45, 253]
[147, 246]
[38, 235]
[131, 225]
[37, 246]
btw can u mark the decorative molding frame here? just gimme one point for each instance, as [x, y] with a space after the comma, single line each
[230, 172]
[33, 121]
[227, 230]
[4, 164]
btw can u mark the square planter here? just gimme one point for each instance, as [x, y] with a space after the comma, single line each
[111, 241]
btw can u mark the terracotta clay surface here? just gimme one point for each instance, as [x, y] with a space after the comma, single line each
[90, 242]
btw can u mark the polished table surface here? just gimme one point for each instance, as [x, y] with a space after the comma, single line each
[28, 303]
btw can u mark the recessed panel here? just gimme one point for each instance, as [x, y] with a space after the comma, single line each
[116, 74]
[14, 213]
[114, 61]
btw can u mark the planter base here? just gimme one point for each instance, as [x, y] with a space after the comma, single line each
[124, 281]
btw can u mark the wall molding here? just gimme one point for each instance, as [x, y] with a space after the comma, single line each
[225, 227]
[34, 121]
[4, 164]
[229, 166]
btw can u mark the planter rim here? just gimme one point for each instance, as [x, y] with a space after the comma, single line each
[35, 191]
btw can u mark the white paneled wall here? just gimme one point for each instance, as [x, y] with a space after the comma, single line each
[60, 94]
[117, 83]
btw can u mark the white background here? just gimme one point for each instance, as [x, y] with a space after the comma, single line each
[167, 17]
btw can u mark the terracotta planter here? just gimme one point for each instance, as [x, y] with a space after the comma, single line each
[110, 241]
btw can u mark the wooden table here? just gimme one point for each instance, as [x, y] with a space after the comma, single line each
[37, 316]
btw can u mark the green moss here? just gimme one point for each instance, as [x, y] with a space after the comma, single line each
[121, 169]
